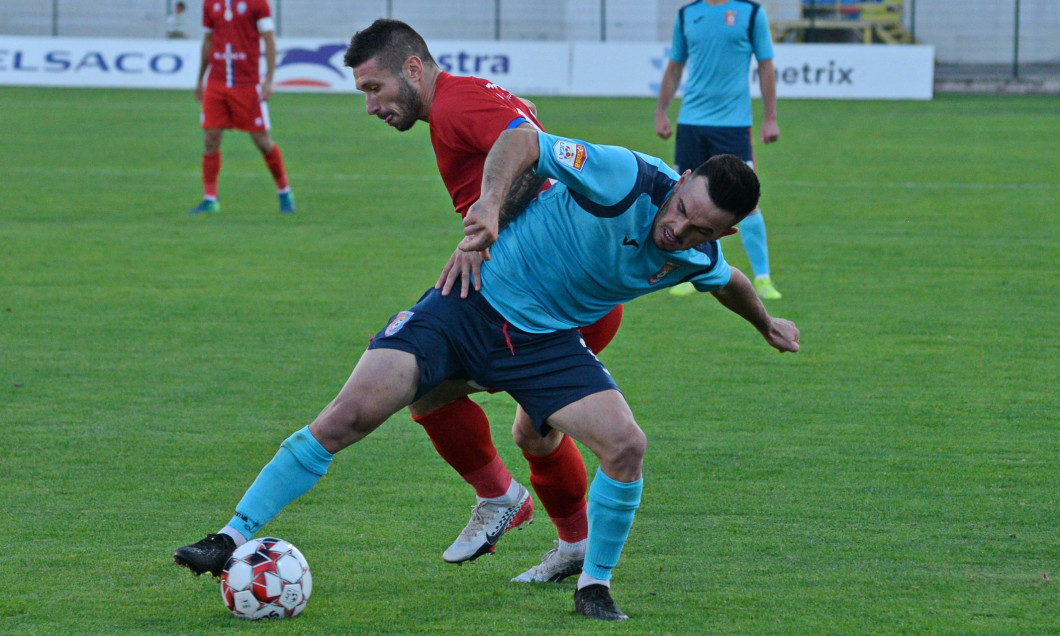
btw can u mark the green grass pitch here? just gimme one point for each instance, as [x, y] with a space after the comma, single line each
[898, 476]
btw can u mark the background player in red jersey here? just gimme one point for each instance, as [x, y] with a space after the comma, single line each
[233, 96]
[402, 83]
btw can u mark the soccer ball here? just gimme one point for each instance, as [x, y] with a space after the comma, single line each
[266, 578]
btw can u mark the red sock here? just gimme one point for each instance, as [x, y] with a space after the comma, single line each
[274, 160]
[560, 481]
[460, 432]
[211, 167]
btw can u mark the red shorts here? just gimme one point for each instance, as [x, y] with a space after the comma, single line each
[238, 107]
[599, 334]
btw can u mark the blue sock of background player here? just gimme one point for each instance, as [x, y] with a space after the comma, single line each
[753, 237]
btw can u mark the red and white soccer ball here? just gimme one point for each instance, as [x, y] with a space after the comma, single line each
[266, 578]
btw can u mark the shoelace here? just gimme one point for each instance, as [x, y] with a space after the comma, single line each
[477, 523]
[544, 562]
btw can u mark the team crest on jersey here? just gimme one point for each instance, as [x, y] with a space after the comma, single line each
[730, 18]
[398, 322]
[661, 274]
[569, 153]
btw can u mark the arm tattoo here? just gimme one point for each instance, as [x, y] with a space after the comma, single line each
[519, 195]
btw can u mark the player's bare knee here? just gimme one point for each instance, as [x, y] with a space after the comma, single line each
[625, 455]
[440, 397]
[263, 141]
[531, 442]
[341, 424]
[427, 405]
[212, 140]
[524, 441]
[634, 446]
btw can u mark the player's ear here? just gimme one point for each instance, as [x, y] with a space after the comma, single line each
[685, 176]
[414, 68]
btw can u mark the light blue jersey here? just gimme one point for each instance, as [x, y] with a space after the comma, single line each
[585, 244]
[717, 43]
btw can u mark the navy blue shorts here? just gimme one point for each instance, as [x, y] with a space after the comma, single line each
[696, 144]
[465, 338]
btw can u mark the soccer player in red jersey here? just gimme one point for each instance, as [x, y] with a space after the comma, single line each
[234, 95]
[403, 84]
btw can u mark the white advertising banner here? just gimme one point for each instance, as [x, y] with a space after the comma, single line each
[853, 71]
[816, 71]
[827, 71]
[91, 62]
[528, 67]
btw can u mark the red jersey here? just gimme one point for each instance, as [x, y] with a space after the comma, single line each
[467, 116]
[236, 25]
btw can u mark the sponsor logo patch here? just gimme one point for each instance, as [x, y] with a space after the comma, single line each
[661, 274]
[569, 153]
[398, 322]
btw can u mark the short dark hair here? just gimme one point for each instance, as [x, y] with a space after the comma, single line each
[391, 41]
[181, 5]
[731, 183]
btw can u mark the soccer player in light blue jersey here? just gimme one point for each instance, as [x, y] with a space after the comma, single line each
[717, 39]
[615, 225]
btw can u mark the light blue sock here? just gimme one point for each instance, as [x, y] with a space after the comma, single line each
[296, 467]
[753, 237]
[612, 506]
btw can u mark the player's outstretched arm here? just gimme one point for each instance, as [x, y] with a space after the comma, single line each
[739, 297]
[513, 155]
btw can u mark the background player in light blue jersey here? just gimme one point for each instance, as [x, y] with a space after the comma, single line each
[718, 37]
[617, 225]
